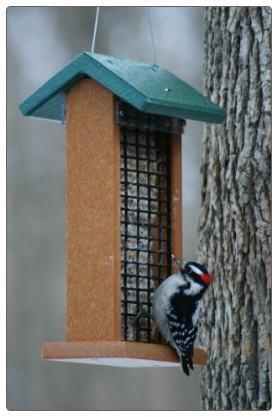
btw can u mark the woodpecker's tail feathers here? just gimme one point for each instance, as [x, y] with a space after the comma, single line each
[186, 364]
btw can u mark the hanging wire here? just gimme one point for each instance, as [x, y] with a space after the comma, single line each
[95, 30]
[151, 32]
[152, 35]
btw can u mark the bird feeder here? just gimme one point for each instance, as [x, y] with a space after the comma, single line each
[124, 120]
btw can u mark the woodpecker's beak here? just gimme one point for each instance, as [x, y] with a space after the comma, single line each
[179, 262]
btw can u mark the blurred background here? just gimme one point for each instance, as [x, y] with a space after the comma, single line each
[41, 41]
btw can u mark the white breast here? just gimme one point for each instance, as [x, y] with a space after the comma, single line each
[196, 313]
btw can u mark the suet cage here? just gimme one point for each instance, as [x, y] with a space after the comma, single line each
[124, 120]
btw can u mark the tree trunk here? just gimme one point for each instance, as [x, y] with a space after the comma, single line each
[235, 220]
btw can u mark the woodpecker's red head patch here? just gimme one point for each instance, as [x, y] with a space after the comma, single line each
[199, 272]
[206, 278]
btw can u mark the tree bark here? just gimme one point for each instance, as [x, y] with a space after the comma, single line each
[235, 219]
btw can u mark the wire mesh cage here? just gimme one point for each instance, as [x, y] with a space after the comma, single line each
[145, 214]
[145, 226]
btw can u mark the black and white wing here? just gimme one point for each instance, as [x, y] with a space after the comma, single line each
[183, 336]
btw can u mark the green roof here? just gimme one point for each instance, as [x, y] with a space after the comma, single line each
[147, 87]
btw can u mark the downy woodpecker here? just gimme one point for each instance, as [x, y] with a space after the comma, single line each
[176, 305]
